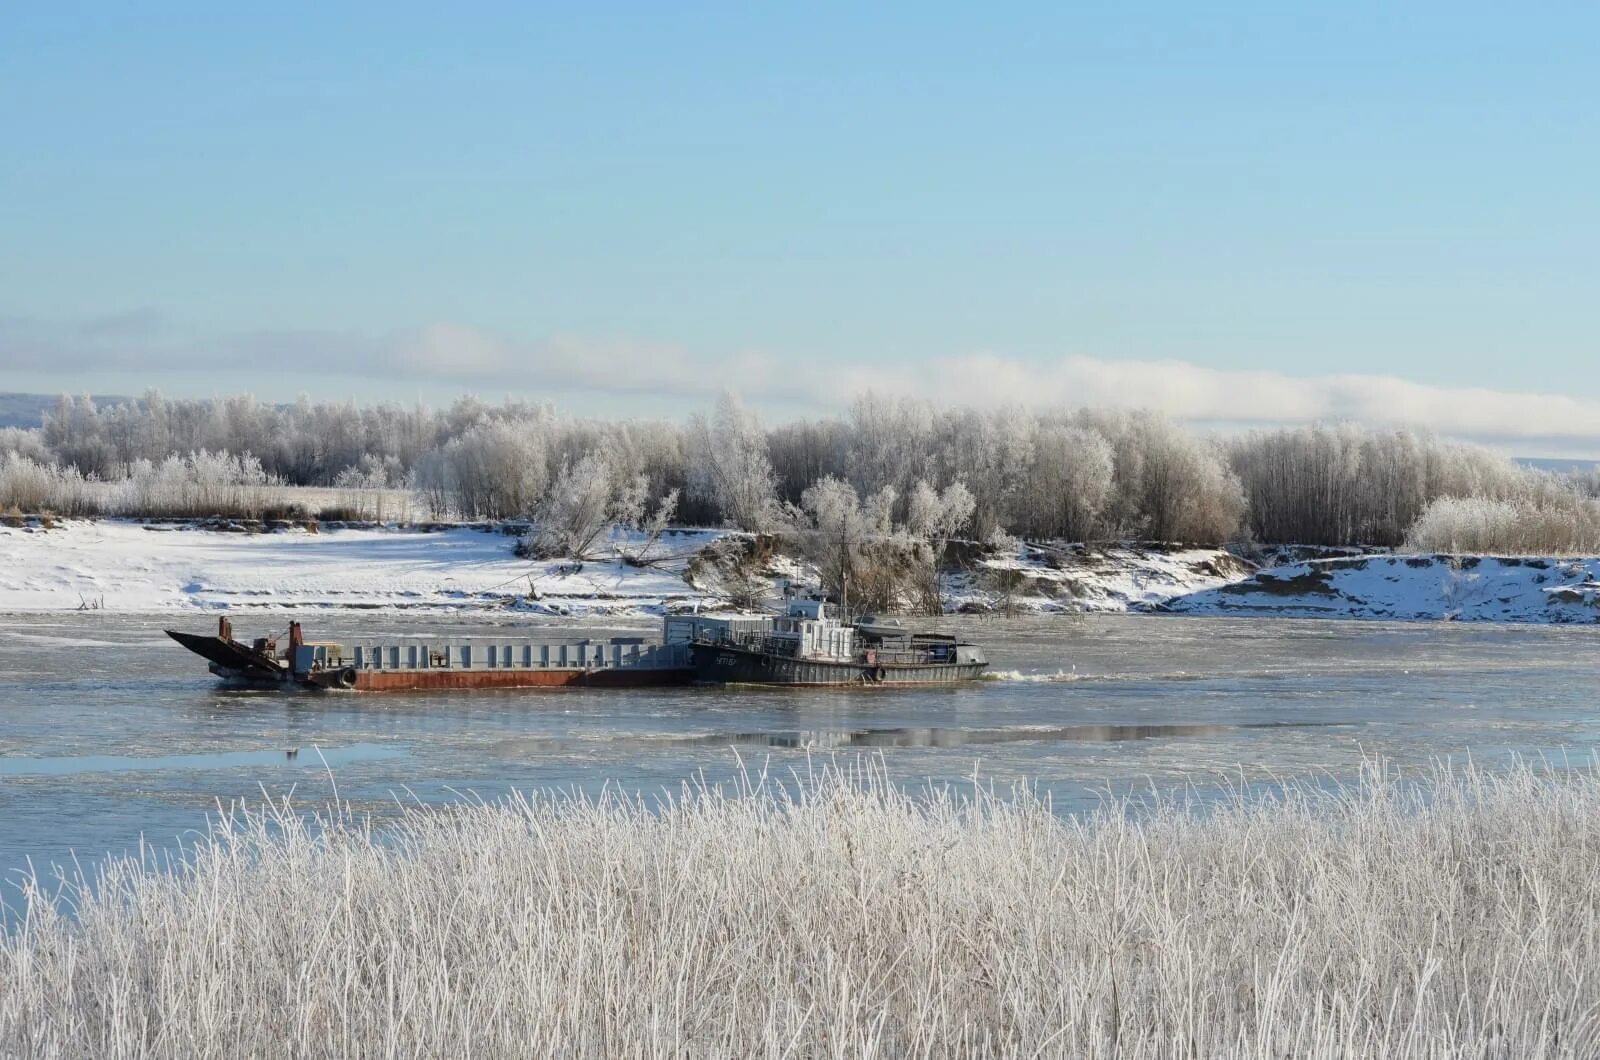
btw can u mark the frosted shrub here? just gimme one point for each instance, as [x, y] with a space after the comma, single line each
[199, 485]
[23, 443]
[1454, 917]
[362, 488]
[24, 485]
[1560, 523]
[35, 488]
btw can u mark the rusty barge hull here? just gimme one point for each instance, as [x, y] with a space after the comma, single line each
[457, 680]
[442, 681]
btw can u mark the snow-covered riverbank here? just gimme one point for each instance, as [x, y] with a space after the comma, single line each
[1092, 578]
[1461, 588]
[126, 566]
[129, 567]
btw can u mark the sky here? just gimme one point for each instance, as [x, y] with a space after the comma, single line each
[1241, 213]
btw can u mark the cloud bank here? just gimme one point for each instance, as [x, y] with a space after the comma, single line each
[465, 358]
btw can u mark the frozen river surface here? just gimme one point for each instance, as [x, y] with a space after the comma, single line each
[110, 733]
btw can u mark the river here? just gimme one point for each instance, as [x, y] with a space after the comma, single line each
[111, 734]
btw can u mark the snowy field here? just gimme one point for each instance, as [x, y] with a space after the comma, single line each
[129, 567]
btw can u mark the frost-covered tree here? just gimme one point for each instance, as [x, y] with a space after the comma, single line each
[1069, 484]
[890, 443]
[1057, 473]
[932, 518]
[575, 509]
[1344, 485]
[841, 525]
[653, 527]
[865, 560]
[805, 452]
[495, 470]
[730, 467]
[1168, 484]
[74, 434]
[991, 452]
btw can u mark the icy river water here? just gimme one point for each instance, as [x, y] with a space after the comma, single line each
[110, 733]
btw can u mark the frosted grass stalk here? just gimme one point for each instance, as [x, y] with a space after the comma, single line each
[836, 914]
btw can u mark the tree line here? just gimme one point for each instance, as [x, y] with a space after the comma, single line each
[1082, 475]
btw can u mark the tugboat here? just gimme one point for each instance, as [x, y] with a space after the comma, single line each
[807, 646]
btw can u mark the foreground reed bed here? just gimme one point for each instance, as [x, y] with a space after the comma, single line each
[836, 915]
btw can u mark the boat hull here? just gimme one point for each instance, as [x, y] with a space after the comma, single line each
[610, 664]
[726, 665]
[465, 680]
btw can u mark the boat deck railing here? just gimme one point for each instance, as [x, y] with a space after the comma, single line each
[766, 643]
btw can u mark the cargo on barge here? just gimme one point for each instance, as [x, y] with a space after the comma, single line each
[426, 664]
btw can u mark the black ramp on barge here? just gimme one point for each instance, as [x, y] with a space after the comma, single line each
[227, 653]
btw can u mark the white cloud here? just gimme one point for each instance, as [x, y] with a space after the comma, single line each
[1210, 395]
[458, 357]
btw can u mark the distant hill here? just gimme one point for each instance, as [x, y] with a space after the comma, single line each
[27, 410]
[1557, 463]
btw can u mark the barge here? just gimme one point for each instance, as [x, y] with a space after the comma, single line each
[804, 647]
[432, 664]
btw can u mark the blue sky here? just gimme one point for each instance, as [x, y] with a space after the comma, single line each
[1373, 211]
